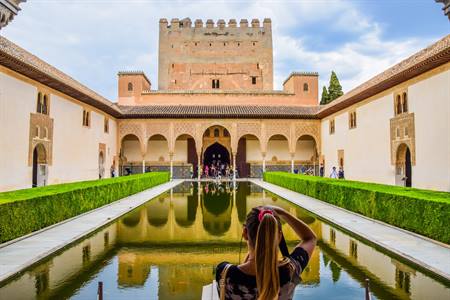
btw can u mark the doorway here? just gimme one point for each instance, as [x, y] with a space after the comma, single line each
[39, 177]
[216, 153]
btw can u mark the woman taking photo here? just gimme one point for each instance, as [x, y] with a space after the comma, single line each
[263, 276]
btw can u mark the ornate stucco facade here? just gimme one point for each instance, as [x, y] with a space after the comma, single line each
[392, 129]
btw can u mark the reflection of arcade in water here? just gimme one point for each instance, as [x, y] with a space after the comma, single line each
[214, 213]
[168, 249]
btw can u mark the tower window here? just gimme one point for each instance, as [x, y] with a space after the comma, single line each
[352, 120]
[332, 128]
[405, 102]
[257, 66]
[130, 87]
[210, 44]
[86, 118]
[106, 125]
[215, 83]
[239, 44]
[305, 87]
[254, 43]
[39, 103]
[253, 79]
[195, 44]
[42, 106]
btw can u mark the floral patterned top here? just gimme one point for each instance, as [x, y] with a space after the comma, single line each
[239, 285]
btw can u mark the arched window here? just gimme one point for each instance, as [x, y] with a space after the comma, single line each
[405, 102]
[305, 87]
[45, 133]
[45, 105]
[37, 133]
[216, 132]
[39, 103]
[398, 105]
[130, 87]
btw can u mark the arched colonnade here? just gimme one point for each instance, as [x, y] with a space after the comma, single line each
[162, 143]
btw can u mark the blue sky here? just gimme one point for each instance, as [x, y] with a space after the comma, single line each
[91, 40]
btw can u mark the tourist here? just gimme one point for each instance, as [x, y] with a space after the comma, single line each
[113, 171]
[321, 170]
[341, 173]
[333, 173]
[263, 275]
[206, 171]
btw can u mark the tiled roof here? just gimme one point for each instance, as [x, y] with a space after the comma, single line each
[21, 61]
[219, 111]
[421, 62]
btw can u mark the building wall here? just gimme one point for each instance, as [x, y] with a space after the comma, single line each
[75, 148]
[367, 148]
[430, 102]
[191, 55]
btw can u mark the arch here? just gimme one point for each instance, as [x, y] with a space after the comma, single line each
[247, 151]
[208, 140]
[158, 212]
[305, 87]
[216, 207]
[216, 152]
[101, 165]
[207, 126]
[39, 166]
[185, 211]
[130, 86]
[404, 164]
[311, 153]
[130, 153]
[185, 151]
[132, 219]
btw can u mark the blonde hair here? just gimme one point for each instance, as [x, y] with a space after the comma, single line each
[266, 257]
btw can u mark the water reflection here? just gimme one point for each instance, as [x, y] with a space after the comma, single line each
[168, 249]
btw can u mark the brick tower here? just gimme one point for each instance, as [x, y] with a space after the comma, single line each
[216, 56]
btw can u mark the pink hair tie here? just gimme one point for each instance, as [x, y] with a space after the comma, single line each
[263, 212]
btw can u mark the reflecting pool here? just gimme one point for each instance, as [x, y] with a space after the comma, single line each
[168, 249]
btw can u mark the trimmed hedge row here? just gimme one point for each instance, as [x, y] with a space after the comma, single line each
[28, 210]
[422, 211]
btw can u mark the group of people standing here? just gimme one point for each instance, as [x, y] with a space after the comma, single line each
[336, 174]
[217, 169]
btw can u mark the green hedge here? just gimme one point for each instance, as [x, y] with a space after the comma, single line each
[28, 210]
[422, 211]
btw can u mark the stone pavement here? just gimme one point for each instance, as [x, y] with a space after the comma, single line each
[431, 255]
[17, 255]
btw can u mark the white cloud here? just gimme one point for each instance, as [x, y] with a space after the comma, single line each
[92, 40]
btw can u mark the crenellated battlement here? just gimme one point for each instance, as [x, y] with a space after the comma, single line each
[215, 54]
[186, 23]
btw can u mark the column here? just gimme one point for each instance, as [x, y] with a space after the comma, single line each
[234, 166]
[292, 162]
[199, 166]
[263, 161]
[143, 165]
[171, 165]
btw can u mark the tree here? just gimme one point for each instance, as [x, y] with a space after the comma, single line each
[335, 88]
[325, 97]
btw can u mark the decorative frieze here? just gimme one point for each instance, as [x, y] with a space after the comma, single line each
[403, 132]
[41, 132]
